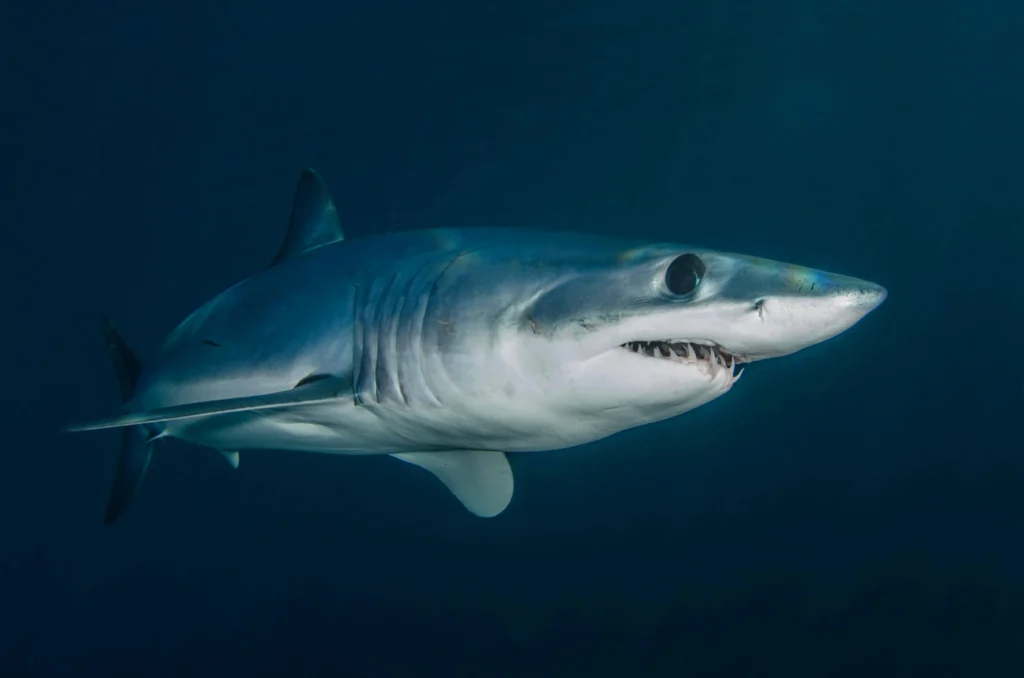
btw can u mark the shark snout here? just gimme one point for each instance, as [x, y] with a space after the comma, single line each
[807, 317]
[857, 296]
[793, 307]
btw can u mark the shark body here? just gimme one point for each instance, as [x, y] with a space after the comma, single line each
[448, 349]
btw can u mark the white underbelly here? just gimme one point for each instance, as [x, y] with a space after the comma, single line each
[382, 429]
[309, 429]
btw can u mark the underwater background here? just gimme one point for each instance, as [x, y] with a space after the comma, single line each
[852, 510]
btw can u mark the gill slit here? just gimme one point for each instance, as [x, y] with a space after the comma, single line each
[427, 307]
[381, 326]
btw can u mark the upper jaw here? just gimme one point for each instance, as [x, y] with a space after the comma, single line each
[685, 348]
[709, 357]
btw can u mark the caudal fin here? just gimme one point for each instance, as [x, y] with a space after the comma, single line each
[136, 441]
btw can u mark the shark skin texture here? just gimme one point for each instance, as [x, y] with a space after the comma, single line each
[448, 349]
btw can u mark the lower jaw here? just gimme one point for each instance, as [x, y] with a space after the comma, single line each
[712, 365]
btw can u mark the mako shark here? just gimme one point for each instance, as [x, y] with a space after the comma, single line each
[448, 349]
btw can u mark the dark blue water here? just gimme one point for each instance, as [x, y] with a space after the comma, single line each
[854, 510]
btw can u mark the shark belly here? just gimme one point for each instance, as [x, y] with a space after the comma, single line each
[299, 429]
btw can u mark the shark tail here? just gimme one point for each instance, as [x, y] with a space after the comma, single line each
[136, 441]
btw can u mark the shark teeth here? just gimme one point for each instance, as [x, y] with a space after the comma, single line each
[711, 358]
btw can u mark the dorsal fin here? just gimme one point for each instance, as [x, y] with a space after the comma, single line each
[314, 220]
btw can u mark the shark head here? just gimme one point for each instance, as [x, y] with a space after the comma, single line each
[659, 330]
[564, 340]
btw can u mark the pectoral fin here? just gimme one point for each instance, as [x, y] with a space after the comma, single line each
[480, 479]
[308, 393]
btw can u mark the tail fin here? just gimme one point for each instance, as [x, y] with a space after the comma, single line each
[136, 442]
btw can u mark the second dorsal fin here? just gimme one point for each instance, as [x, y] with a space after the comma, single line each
[314, 219]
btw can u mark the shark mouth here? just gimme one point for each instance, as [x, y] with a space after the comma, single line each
[711, 357]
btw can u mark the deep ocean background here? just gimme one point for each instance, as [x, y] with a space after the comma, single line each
[854, 510]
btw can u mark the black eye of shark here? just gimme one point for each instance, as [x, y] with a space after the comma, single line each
[684, 274]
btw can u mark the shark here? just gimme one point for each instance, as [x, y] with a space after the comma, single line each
[449, 349]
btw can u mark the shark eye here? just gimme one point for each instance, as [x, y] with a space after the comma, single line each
[684, 274]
